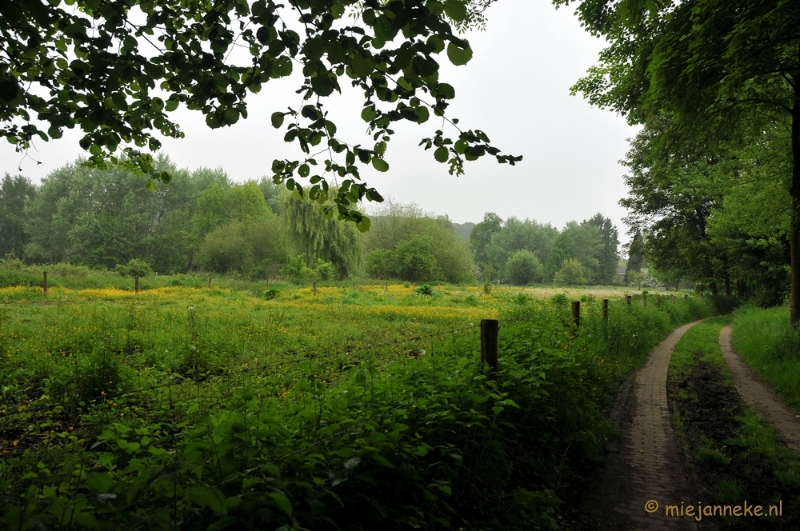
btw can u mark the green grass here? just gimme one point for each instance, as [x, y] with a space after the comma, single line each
[755, 434]
[764, 339]
[364, 405]
[702, 338]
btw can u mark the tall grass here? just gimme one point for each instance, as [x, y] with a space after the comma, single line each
[766, 341]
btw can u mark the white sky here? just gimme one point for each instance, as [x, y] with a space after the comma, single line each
[516, 89]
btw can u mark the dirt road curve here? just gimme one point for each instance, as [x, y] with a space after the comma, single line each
[759, 396]
[646, 467]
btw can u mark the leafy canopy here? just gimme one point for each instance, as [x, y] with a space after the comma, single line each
[101, 66]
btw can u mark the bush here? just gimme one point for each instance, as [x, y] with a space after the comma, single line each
[570, 274]
[133, 268]
[425, 289]
[523, 268]
[271, 293]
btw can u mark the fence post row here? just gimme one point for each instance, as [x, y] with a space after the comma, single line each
[489, 337]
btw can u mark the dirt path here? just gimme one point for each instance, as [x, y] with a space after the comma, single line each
[645, 466]
[760, 396]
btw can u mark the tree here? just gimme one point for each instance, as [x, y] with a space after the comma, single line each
[571, 273]
[224, 203]
[413, 259]
[609, 242]
[516, 235]
[14, 192]
[563, 249]
[523, 268]
[316, 236]
[94, 66]
[481, 236]
[586, 247]
[711, 67]
[102, 218]
[252, 247]
[635, 255]
[398, 224]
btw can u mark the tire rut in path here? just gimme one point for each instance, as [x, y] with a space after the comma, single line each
[760, 396]
[647, 464]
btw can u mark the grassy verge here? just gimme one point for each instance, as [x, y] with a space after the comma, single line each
[735, 455]
[767, 343]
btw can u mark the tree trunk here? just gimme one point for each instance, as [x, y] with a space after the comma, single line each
[794, 232]
[714, 290]
[727, 285]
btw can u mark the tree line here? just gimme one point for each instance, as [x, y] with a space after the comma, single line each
[714, 173]
[203, 221]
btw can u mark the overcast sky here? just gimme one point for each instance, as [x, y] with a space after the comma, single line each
[516, 89]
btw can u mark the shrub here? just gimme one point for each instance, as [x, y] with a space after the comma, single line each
[133, 268]
[570, 274]
[425, 289]
[523, 268]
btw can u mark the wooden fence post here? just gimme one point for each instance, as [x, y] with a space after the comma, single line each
[658, 301]
[44, 282]
[489, 337]
[315, 288]
[209, 282]
[136, 283]
[685, 297]
[674, 299]
[576, 314]
[628, 298]
[605, 310]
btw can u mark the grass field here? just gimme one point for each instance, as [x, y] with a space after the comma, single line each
[185, 405]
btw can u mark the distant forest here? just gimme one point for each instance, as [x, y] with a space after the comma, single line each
[202, 221]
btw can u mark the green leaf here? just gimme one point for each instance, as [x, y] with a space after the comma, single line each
[380, 164]
[322, 85]
[277, 119]
[206, 496]
[441, 154]
[282, 502]
[351, 463]
[368, 114]
[456, 10]
[362, 66]
[381, 460]
[303, 170]
[363, 224]
[445, 91]
[212, 120]
[171, 105]
[231, 116]
[459, 56]
[436, 43]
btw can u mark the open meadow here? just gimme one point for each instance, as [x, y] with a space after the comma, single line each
[301, 406]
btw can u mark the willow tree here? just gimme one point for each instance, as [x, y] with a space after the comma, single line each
[310, 232]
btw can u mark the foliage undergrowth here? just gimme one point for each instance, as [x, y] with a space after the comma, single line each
[354, 432]
[766, 341]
